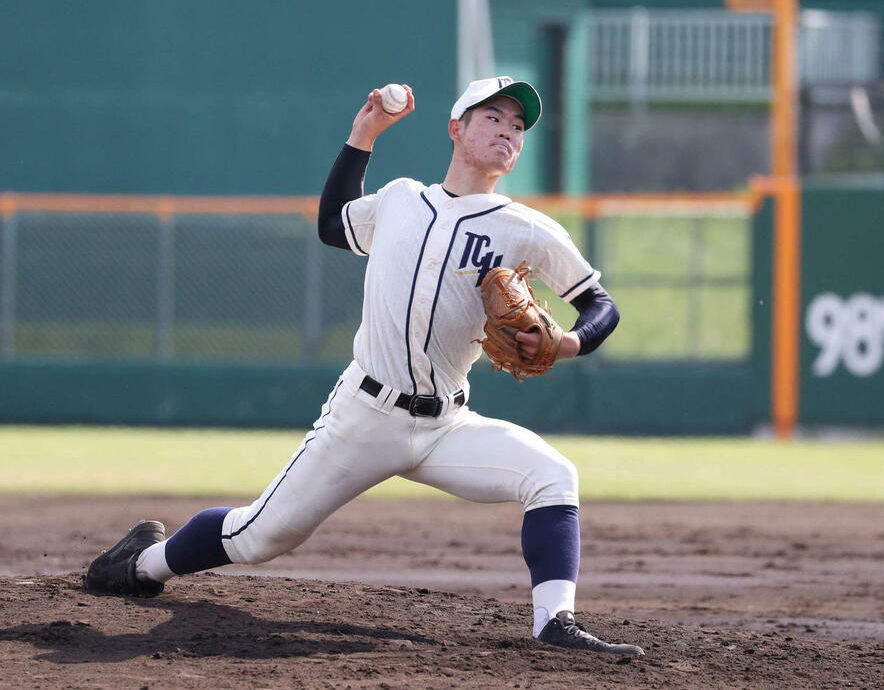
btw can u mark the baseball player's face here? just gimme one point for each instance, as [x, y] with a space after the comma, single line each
[492, 140]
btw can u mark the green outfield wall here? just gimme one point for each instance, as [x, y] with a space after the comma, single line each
[215, 96]
[842, 341]
[842, 303]
[651, 399]
[841, 376]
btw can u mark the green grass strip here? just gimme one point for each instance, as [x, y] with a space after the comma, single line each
[179, 462]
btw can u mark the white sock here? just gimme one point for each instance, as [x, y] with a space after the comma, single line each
[151, 564]
[550, 597]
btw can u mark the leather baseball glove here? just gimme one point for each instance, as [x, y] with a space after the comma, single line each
[510, 306]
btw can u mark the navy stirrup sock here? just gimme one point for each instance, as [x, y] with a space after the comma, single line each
[197, 545]
[551, 543]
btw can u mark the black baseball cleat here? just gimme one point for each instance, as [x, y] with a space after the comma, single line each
[113, 572]
[564, 631]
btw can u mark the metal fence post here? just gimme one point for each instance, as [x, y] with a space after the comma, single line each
[165, 286]
[8, 284]
[696, 279]
[313, 298]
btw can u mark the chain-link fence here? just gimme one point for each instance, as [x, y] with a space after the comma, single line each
[679, 268]
[215, 284]
[682, 280]
[174, 286]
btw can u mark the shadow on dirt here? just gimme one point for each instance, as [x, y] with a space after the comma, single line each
[203, 629]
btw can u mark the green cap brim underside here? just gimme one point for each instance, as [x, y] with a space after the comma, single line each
[525, 95]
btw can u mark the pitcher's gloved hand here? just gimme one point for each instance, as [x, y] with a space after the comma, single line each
[510, 307]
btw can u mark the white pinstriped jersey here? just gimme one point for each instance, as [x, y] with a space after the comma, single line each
[428, 252]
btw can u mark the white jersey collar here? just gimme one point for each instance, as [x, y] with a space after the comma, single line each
[465, 205]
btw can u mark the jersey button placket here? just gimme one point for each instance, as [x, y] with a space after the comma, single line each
[425, 291]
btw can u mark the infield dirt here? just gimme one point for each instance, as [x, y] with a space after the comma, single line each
[434, 594]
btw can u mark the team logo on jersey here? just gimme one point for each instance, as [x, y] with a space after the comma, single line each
[473, 256]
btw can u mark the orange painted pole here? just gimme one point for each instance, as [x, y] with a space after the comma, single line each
[785, 383]
[783, 108]
[785, 363]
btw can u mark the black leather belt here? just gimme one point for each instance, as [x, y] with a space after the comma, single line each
[417, 405]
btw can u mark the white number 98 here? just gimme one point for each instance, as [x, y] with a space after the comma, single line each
[849, 330]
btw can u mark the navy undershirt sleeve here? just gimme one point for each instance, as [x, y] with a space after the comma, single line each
[598, 317]
[345, 183]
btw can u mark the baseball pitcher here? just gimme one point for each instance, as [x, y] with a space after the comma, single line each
[446, 275]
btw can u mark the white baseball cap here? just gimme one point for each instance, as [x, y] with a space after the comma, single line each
[485, 89]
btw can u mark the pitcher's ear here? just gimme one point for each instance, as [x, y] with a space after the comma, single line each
[455, 129]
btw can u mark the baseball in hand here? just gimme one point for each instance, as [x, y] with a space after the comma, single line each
[394, 98]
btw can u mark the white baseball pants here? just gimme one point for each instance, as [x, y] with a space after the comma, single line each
[359, 441]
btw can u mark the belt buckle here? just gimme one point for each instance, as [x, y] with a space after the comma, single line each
[417, 406]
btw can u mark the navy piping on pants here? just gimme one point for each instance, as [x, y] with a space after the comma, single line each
[291, 464]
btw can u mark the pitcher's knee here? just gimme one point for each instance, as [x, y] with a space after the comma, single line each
[252, 547]
[556, 484]
[249, 541]
[566, 481]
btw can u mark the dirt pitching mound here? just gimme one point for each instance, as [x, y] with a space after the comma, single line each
[215, 631]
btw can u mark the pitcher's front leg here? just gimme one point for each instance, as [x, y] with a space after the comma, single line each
[491, 460]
